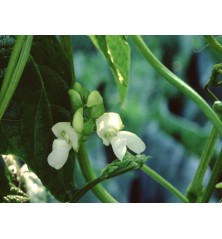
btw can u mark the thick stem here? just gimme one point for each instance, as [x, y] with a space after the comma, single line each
[217, 169]
[14, 70]
[66, 43]
[89, 175]
[178, 83]
[197, 183]
[150, 172]
[214, 44]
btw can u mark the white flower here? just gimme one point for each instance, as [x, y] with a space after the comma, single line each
[108, 128]
[67, 139]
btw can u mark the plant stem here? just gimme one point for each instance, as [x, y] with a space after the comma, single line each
[214, 44]
[85, 189]
[66, 43]
[197, 183]
[150, 172]
[14, 70]
[13, 61]
[178, 83]
[83, 159]
[217, 169]
[89, 175]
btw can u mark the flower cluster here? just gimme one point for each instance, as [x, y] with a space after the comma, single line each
[108, 126]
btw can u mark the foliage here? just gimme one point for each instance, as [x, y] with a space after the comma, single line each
[45, 95]
[35, 107]
[9, 192]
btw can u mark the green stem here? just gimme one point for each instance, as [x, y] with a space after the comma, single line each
[106, 174]
[89, 175]
[66, 43]
[214, 44]
[216, 172]
[14, 70]
[13, 61]
[195, 188]
[178, 83]
[85, 189]
[84, 163]
[150, 172]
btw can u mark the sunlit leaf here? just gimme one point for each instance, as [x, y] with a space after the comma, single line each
[116, 51]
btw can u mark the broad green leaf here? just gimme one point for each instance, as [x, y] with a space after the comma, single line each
[40, 101]
[8, 191]
[116, 51]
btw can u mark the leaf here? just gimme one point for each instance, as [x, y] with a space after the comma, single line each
[40, 101]
[116, 51]
[8, 191]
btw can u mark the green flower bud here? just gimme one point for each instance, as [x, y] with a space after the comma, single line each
[85, 94]
[77, 87]
[75, 99]
[94, 98]
[218, 185]
[217, 106]
[97, 111]
[88, 127]
[78, 120]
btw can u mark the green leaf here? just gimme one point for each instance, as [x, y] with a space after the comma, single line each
[8, 191]
[116, 51]
[40, 101]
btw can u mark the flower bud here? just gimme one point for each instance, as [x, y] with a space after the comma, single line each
[88, 127]
[75, 99]
[77, 87]
[78, 121]
[85, 94]
[218, 185]
[97, 111]
[94, 98]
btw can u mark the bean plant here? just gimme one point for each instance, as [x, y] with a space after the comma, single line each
[48, 115]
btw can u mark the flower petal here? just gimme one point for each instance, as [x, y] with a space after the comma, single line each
[133, 142]
[106, 122]
[59, 155]
[65, 127]
[60, 127]
[119, 147]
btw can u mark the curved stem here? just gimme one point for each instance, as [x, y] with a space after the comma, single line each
[217, 169]
[89, 175]
[197, 183]
[178, 83]
[214, 44]
[85, 189]
[150, 172]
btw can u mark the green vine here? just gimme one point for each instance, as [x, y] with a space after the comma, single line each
[214, 44]
[178, 83]
[14, 70]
